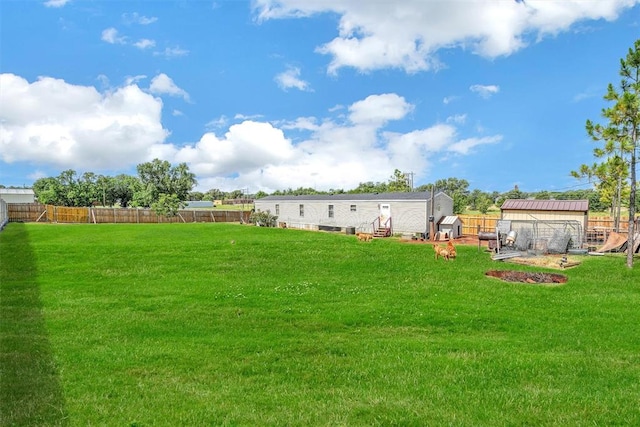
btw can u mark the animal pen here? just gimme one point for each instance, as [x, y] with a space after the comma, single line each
[535, 236]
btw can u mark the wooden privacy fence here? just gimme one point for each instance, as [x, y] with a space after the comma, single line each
[470, 223]
[606, 222]
[31, 212]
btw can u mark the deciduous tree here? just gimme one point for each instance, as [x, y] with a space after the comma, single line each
[162, 185]
[458, 189]
[399, 182]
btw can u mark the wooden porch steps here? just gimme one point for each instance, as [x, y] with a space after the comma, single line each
[382, 232]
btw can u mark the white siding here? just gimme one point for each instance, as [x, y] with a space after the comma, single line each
[17, 198]
[408, 216]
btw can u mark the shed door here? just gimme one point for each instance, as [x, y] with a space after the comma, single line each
[385, 213]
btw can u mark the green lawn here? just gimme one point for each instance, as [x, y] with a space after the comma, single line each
[175, 324]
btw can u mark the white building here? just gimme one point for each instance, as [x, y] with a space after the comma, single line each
[17, 195]
[382, 214]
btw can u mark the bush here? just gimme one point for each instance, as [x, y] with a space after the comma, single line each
[263, 219]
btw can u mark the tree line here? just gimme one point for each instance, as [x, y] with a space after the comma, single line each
[166, 188]
[158, 185]
[464, 199]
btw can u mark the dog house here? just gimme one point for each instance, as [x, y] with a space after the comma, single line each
[451, 226]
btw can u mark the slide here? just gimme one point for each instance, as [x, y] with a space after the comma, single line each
[614, 242]
[636, 242]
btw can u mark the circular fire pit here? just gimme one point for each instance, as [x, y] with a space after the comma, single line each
[526, 277]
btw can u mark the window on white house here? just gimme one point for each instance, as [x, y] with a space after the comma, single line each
[301, 210]
[330, 211]
[277, 209]
[353, 208]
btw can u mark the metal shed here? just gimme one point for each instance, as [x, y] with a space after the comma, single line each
[408, 212]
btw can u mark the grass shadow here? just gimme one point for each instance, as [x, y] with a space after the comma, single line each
[30, 392]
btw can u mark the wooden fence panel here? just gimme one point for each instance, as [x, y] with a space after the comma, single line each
[607, 223]
[67, 214]
[470, 223]
[26, 212]
[31, 212]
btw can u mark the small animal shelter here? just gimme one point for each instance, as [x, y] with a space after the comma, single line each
[450, 227]
[381, 214]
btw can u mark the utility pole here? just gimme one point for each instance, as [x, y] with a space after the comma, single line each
[245, 193]
[432, 225]
[408, 176]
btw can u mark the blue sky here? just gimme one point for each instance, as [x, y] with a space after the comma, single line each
[275, 94]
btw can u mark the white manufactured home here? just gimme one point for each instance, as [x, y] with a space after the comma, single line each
[381, 214]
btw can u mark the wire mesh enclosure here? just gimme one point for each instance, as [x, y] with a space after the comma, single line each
[542, 236]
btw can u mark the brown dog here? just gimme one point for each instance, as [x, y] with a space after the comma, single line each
[441, 251]
[451, 249]
[364, 237]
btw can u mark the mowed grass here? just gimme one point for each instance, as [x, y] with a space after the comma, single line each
[225, 324]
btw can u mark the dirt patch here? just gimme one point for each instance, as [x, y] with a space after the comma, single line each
[548, 261]
[463, 240]
[527, 277]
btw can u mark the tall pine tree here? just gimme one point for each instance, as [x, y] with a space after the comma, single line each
[620, 133]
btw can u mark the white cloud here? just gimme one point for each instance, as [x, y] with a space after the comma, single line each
[136, 18]
[464, 146]
[103, 80]
[485, 91]
[378, 109]
[247, 116]
[52, 122]
[302, 123]
[407, 34]
[449, 99]
[245, 146]
[291, 79]
[134, 79]
[458, 119]
[217, 123]
[164, 85]
[144, 43]
[56, 3]
[172, 52]
[110, 35]
[260, 155]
